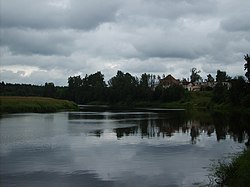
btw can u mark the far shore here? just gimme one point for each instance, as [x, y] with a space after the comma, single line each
[197, 101]
[17, 104]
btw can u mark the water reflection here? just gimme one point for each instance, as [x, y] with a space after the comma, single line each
[116, 148]
[41, 179]
[161, 125]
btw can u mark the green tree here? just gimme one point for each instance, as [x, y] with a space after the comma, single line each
[94, 87]
[222, 76]
[145, 86]
[195, 77]
[219, 93]
[237, 91]
[247, 66]
[96, 80]
[210, 78]
[144, 81]
[49, 90]
[75, 89]
[75, 82]
[123, 88]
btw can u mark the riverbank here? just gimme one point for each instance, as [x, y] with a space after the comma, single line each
[194, 100]
[234, 173]
[197, 101]
[16, 104]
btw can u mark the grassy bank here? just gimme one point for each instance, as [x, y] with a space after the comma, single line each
[193, 101]
[197, 101]
[13, 104]
[234, 173]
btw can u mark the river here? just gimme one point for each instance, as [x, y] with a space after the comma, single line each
[115, 147]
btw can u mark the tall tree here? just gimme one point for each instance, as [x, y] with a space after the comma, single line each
[123, 87]
[247, 66]
[222, 76]
[75, 82]
[49, 90]
[238, 90]
[75, 89]
[96, 80]
[195, 77]
[144, 81]
[145, 86]
[95, 87]
[210, 78]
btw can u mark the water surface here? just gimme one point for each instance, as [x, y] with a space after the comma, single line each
[114, 148]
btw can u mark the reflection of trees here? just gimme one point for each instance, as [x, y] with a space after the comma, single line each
[234, 124]
[194, 133]
[153, 127]
[97, 133]
[239, 126]
[221, 127]
[158, 127]
[82, 116]
[166, 126]
[120, 132]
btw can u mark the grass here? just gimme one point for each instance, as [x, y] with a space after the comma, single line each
[234, 173]
[203, 100]
[15, 104]
[195, 100]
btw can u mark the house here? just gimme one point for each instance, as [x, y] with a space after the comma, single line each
[191, 86]
[169, 81]
[196, 88]
[228, 85]
[186, 85]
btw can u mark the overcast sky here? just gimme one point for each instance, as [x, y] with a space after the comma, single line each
[50, 40]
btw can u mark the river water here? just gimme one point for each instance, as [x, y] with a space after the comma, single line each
[115, 148]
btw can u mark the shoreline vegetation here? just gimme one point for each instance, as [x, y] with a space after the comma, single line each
[18, 104]
[194, 101]
[236, 172]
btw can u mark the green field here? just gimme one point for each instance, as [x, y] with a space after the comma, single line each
[15, 104]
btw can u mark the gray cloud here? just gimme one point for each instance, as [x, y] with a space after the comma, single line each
[59, 38]
[237, 22]
[168, 9]
[46, 14]
[45, 42]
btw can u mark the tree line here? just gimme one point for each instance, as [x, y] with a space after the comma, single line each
[126, 89]
[123, 88]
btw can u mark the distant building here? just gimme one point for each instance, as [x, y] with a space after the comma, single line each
[169, 81]
[196, 86]
[227, 84]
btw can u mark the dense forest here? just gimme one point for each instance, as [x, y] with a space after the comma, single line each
[126, 89]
